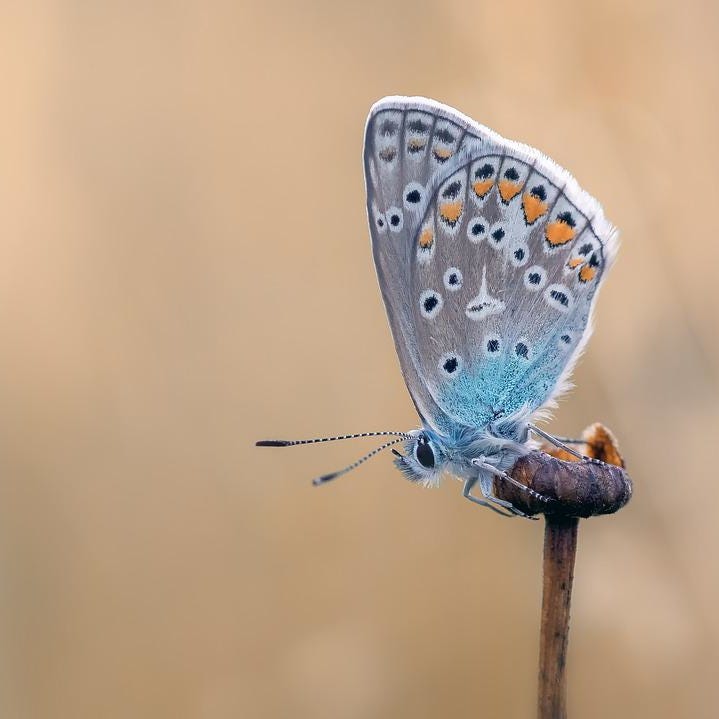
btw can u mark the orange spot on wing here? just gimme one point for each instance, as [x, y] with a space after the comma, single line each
[587, 273]
[450, 211]
[508, 189]
[533, 208]
[426, 239]
[558, 233]
[482, 187]
[417, 145]
[442, 153]
[575, 262]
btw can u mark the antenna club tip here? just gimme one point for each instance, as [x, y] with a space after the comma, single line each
[273, 443]
[323, 479]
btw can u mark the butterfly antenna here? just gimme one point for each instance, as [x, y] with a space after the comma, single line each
[293, 442]
[333, 475]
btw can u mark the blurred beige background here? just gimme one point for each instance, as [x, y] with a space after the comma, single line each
[185, 268]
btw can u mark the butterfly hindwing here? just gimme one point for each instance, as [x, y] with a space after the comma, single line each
[489, 257]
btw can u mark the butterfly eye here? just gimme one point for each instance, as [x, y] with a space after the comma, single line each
[424, 453]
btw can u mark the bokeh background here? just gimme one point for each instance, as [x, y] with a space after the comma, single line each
[185, 268]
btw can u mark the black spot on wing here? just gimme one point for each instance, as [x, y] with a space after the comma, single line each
[539, 192]
[567, 218]
[418, 126]
[484, 172]
[444, 135]
[388, 128]
[452, 190]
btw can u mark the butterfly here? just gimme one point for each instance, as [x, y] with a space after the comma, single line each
[489, 258]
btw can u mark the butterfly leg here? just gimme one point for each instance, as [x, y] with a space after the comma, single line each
[560, 442]
[467, 492]
[486, 483]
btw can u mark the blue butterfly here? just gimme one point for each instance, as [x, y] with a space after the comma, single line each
[489, 257]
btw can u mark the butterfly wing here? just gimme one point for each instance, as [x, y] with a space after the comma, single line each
[407, 147]
[489, 257]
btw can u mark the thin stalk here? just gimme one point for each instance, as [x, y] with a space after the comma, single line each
[560, 547]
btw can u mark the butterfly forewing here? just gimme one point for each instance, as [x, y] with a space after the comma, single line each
[406, 150]
[489, 257]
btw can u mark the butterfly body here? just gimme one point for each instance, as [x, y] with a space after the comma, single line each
[489, 257]
[454, 454]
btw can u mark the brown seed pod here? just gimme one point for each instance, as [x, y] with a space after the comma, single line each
[576, 488]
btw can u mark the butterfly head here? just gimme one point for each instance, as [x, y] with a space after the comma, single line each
[424, 460]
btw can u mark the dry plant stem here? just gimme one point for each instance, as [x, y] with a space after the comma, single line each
[576, 489]
[560, 547]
